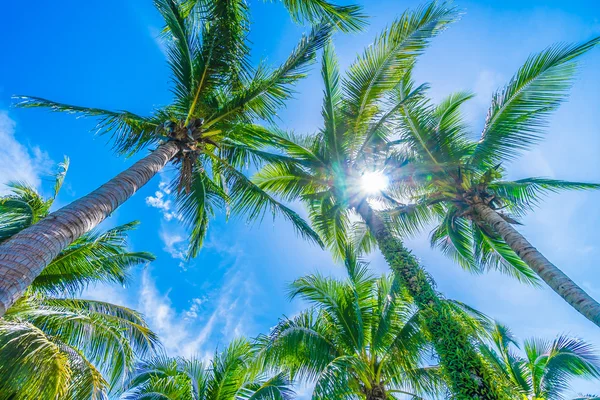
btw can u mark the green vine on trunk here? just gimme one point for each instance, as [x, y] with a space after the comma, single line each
[467, 374]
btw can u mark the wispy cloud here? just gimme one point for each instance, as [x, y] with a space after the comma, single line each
[164, 201]
[229, 318]
[162, 316]
[212, 319]
[18, 162]
[175, 243]
[194, 309]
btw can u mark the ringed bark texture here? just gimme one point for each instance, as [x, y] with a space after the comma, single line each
[26, 254]
[553, 276]
[468, 376]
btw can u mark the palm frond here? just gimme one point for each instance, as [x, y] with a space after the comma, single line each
[130, 132]
[525, 194]
[266, 91]
[63, 167]
[86, 381]
[565, 358]
[519, 112]
[348, 18]
[492, 252]
[332, 100]
[392, 54]
[279, 387]
[197, 207]
[93, 258]
[249, 200]
[33, 365]
[182, 43]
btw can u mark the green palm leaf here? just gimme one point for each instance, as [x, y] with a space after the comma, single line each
[267, 91]
[346, 18]
[129, 131]
[382, 65]
[33, 365]
[523, 195]
[93, 258]
[520, 111]
[359, 333]
[62, 346]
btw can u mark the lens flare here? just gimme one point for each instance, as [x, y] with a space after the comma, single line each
[373, 182]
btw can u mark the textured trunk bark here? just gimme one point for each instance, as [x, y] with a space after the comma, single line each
[554, 277]
[468, 376]
[26, 254]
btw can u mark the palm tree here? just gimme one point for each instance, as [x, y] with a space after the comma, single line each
[218, 95]
[328, 172]
[231, 375]
[546, 368]
[362, 338]
[53, 345]
[462, 181]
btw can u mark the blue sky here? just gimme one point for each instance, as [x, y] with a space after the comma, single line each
[106, 54]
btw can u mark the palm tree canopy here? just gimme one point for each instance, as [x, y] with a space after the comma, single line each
[547, 366]
[449, 171]
[230, 375]
[325, 170]
[361, 335]
[52, 343]
[218, 97]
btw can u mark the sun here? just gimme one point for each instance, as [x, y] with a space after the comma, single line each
[373, 182]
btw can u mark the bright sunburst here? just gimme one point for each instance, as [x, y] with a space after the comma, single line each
[373, 182]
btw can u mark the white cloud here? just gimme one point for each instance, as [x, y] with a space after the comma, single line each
[176, 245]
[17, 162]
[162, 200]
[192, 313]
[228, 320]
[196, 330]
[161, 316]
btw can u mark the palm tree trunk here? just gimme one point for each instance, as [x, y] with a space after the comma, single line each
[468, 376]
[554, 277]
[26, 254]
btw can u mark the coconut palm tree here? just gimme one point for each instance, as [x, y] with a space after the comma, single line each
[334, 171]
[230, 375]
[362, 338]
[217, 98]
[52, 344]
[544, 371]
[463, 181]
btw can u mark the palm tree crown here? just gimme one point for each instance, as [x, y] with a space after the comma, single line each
[325, 170]
[53, 344]
[230, 375]
[454, 172]
[546, 368]
[460, 182]
[218, 95]
[362, 338]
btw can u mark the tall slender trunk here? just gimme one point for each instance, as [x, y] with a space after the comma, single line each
[554, 277]
[468, 376]
[26, 254]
